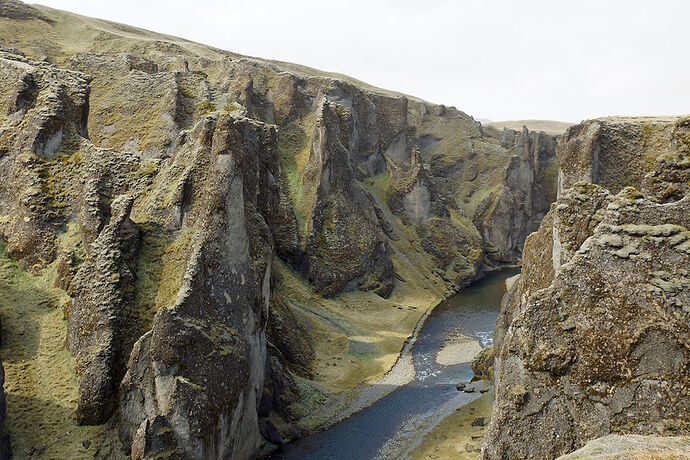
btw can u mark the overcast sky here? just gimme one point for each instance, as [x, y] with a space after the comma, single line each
[501, 60]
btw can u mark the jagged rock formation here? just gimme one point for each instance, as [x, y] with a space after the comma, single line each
[200, 370]
[188, 174]
[346, 153]
[613, 152]
[593, 338]
[525, 196]
[215, 242]
[103, 292]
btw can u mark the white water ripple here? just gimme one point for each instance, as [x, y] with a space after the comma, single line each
[485, 338]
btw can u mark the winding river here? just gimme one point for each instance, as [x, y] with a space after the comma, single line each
[472, 313]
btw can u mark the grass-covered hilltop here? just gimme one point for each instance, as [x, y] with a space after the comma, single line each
[204, 255]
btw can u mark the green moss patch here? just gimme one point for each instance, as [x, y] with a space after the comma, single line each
[294, 146]
[161, 263]
[40, 378]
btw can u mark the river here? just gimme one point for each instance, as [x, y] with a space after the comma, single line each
[471, 313]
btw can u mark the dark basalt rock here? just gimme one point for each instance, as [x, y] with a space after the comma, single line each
[99, 333]
[202, 365]
[528, 188]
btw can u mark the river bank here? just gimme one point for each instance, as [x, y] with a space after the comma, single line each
[424, 389]
[458, 436]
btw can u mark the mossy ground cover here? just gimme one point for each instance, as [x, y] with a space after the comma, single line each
[119, 118]
[161, 263]
[549, 176]
[68, 34]
[56, 174]
[40, 380]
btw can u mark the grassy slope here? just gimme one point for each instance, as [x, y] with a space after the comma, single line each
[358, 335]
[40, 379]
[71, 33]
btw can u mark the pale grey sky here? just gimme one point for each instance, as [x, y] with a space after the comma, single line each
[544, 59]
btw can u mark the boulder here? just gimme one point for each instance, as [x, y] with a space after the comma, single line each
[483, 364]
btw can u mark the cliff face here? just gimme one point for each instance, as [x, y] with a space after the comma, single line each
[593, 338]
[528, 189]
[178, 261]
[171, 189]
[613, 152]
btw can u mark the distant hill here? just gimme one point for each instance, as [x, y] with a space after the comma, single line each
[547, 126]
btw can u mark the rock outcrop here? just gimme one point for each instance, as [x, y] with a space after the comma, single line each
[199, 371]
[483, 364]
[528, 189]
[44, 107]
[201, 233]
[99, 330]
[613, 152]
[593, 338]
[346, 243]
[616, 447]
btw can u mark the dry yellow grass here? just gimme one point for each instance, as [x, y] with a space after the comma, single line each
[358, 336]
[455, 437]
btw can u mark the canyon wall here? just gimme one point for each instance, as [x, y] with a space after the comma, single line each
[166, 187]
[593, 338]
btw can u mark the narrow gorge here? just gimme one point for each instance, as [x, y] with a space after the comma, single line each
[208, 255]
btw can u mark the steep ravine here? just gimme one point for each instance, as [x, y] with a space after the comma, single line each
[205, 255]
[202, 214]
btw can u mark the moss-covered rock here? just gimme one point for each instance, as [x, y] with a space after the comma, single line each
[614, 152]
[595, 332]
[621, 447]
[483, 364]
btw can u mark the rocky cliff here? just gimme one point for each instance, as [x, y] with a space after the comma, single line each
[593, 338]
[220, 229]
[525, 195]
[177, 267]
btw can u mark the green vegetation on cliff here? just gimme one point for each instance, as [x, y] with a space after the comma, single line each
[40, 379]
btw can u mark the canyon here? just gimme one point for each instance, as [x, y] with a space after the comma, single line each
[207, 255]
